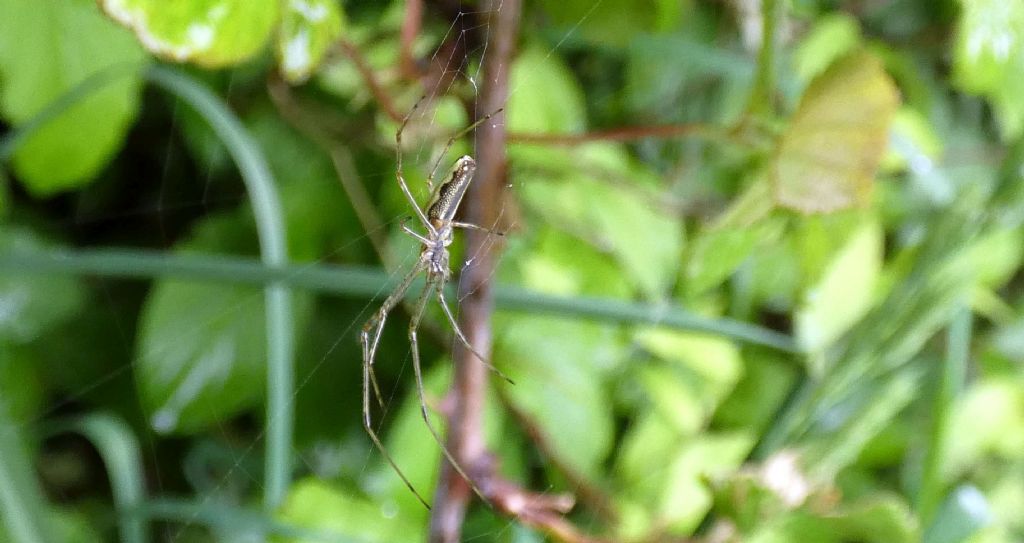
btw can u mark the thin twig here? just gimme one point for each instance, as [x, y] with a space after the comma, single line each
[366, 213]
[595, 496]
[410, 29]
[628, 133]
[382, 97]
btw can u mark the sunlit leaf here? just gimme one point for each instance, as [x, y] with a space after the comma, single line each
[211, 33]
[885, 519]
[832, 37]
[671, 476]
[308, 29]
[315, 505]
[612, 213]
[547, 99]
[845, 291]
[46, 50]
[832, 147]
[986, 421]
[711, 365]
[964, 512]
[716, 253]
[201, 352]
[558, 367]
[989, 57]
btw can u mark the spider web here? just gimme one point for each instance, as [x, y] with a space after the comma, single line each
[226, 460]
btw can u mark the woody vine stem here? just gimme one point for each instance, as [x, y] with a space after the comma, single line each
[469, 387]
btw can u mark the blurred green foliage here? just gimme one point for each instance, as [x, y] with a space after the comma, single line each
[850, 174]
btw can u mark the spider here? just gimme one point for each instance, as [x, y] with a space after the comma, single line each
[439, 223]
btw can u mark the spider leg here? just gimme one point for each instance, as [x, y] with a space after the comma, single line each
[451, 141]
[421, 305]
[401, 178]
[370, 339]
[368, 426]
[477, 227]
[462, 337]
[413, 233]
[376, 326]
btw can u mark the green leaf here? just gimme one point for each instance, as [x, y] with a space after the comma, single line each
[832, 37]
[47, 49]
[314, 205]
[31, 305]
[716, 253]
[616, 218]
[965, 511]
[845, 291]
[885, 519]
[211, 33]
[830, 151]
[670, 477]
[756, 398]
[610, 22]
[547, 99]
[308, 29]
[558, 367]
[988, 58]
[314, 504]
[20, 382]
[201, 352]
[711, 366]
[988, 420]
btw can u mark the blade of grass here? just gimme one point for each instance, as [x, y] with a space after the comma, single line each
[269, 217]
[950, 383]
[266, 206]
[229, 518]
[120, 453]
[22, 505]
[368, 282]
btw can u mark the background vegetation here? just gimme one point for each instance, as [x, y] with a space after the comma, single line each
[761, 282]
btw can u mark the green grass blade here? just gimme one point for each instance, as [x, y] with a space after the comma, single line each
[370, 283]
[120, 453]
[266, 206]
[229, 518]
[22, 505]
[949, 384]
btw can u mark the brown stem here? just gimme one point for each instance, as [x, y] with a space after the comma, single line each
[590, 493]
[628, 133]
[382, 97]
[341, 157]
[465, 423]
[410, 29]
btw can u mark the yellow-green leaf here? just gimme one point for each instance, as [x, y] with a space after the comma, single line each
[830, 152]
[46, 50]
[211, 33]
[845, 291]
[308, 29]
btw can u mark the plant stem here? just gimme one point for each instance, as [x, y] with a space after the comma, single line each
[469, 389]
